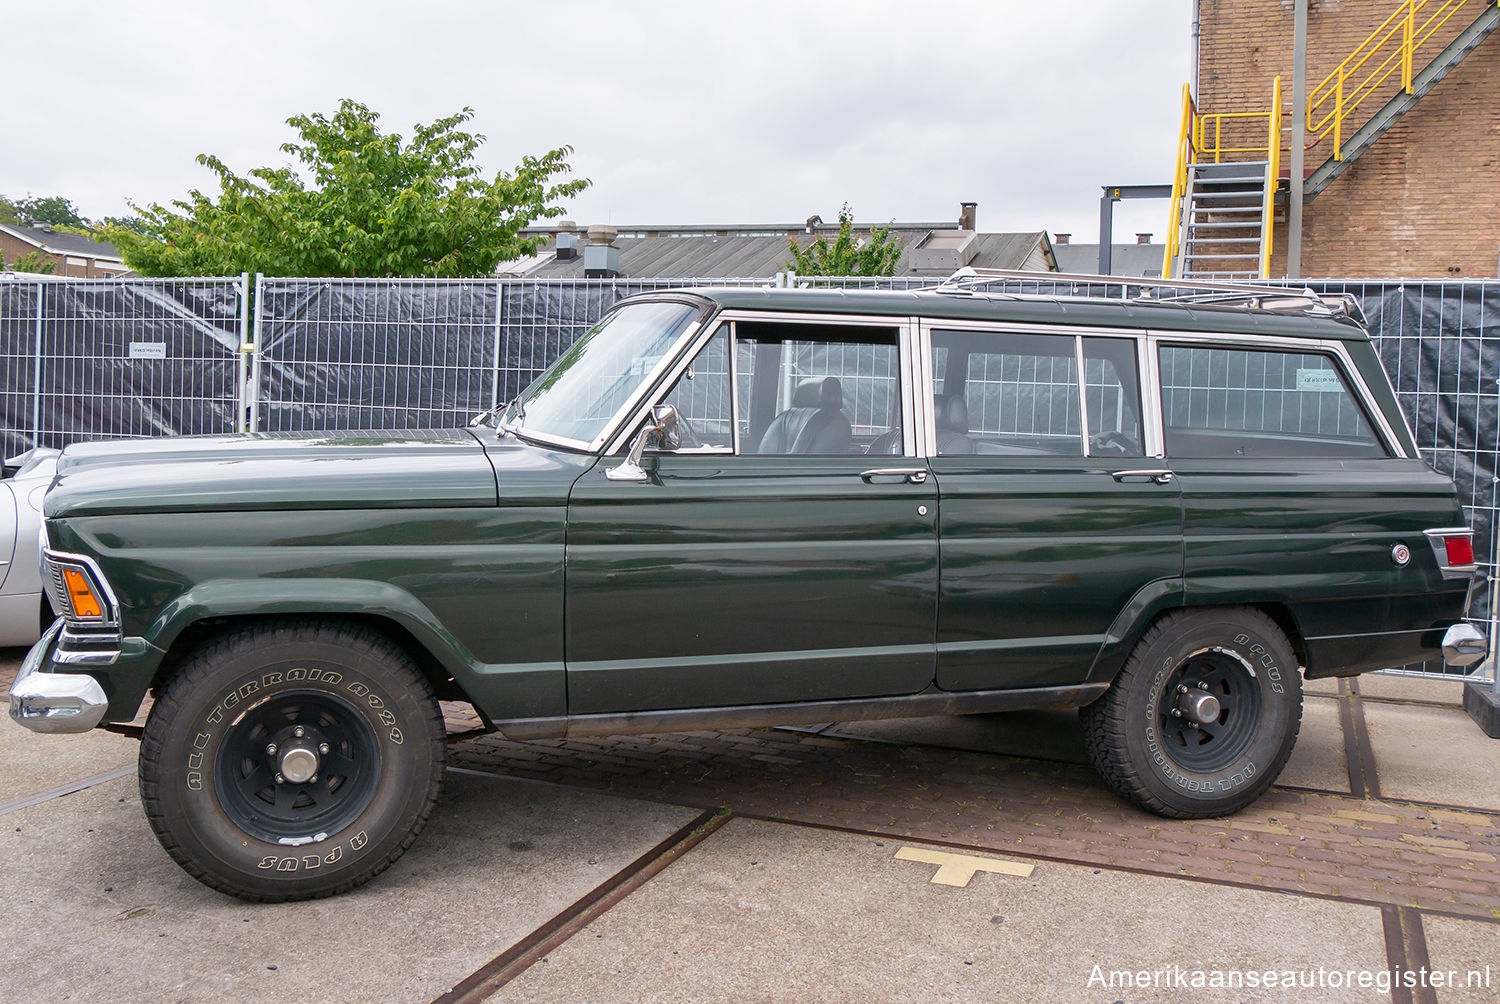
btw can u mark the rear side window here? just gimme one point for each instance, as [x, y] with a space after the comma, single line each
[1223, 402]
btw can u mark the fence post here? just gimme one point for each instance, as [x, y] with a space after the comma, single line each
[242, 387]
[255, 351]
[495, 362]
[36, 377]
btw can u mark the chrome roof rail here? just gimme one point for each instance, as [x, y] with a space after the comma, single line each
[1218, 292]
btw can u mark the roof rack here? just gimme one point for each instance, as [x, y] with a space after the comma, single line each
[1220, 292]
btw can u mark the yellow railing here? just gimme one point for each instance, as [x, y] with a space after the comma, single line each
[1201, 138]
[1179, 181]
[1387, 52]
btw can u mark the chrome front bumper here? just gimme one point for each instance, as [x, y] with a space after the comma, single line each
[1464, 644]
[54, 702]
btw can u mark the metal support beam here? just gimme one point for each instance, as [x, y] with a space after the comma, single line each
[1294, 200]
[1113, 194]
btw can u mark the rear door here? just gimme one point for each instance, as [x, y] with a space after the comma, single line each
[1058, 517]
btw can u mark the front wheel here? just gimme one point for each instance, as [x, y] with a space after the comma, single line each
[1202, 718]
[292, 760]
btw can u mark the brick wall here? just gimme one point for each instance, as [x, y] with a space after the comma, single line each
[1421, 202]
[12, 248]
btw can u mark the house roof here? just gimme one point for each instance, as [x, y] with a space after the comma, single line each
[723, 252]
[58, 242]
[1124, 259]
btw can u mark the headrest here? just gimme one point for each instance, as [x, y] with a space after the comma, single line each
[819, 392]
[952, 413]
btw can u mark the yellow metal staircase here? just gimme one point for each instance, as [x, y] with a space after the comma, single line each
[1212, 233]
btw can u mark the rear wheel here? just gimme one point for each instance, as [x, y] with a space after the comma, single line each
[292, 760]
[1202, 718]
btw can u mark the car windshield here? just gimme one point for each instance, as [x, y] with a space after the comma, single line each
[578, 396]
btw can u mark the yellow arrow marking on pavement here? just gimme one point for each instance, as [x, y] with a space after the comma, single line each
[958, 869]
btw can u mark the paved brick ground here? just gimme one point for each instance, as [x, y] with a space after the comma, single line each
[1386, 852]
[1379, 851]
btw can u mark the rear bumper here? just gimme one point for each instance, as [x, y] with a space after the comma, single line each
[1464, 644]
[55, 702]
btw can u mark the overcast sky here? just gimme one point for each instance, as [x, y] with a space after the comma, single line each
[679, 112]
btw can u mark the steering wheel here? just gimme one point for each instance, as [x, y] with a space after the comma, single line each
[1114, 443]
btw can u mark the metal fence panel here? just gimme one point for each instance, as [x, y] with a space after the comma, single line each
[118, 358]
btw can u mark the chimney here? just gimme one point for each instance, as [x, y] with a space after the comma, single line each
[813, 222]
[45, 228]
[1061, 238]
[566, 246]
[966, 213]
[1143, 238]
[601, 259]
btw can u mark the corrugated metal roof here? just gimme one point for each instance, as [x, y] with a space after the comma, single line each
[764, 256]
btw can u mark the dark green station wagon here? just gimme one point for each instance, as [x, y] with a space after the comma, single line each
[725, 508]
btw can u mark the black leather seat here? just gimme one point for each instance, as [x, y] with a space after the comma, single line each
[953, 429]
[814, 424]
[952, 424]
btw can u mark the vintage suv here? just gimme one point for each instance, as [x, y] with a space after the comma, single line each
[734, 507]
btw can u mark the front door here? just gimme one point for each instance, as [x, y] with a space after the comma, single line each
[772, 558]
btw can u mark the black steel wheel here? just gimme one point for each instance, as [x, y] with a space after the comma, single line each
[1202, 718]
[291, 760]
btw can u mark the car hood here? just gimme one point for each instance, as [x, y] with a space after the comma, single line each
[328, 470]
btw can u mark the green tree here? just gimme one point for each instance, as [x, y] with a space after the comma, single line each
[373, 206]
[847, 256]
[8, 212]
[34, 262]
[53, 209]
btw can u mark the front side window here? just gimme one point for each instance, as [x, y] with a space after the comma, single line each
[1229, 402]
[804, 389]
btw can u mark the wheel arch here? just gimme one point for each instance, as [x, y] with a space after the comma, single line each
[196, 633]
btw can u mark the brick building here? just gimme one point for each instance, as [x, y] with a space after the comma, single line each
[71, 254]
[1420, 200]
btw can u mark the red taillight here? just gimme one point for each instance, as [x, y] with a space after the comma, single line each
[1460, 551]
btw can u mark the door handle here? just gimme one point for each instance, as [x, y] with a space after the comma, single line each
[1160, 477]
[890, 475]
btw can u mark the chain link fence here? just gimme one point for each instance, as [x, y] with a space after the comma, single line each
[100, 358]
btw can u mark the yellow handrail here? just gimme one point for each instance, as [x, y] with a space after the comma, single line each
[1179, 182]
[1273, 178]
[1338, 96]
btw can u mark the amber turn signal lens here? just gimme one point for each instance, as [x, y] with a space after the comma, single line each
[81, 594]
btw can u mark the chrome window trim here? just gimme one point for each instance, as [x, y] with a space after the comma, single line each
[686, 353]
[1304, 346]
[1083, 394]
[1153, 424]
[734, 387]
[924, 420]
[907, 354]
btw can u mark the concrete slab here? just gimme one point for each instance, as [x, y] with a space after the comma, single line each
[37, 763]
[1429, 754]
[1318, 760]
[1395, 687]
[770, 912]
[94, 907]
[1326, 687]
[1043, 734]
[1468, 951]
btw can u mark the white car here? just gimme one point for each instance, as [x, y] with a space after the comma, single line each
[24, 610]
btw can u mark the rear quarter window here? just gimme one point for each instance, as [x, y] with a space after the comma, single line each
[1232, 402]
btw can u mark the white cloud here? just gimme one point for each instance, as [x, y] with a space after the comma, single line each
[678, 111]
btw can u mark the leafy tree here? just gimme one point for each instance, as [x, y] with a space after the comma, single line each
[8, 212]
[34, 262]
[373, 206]
[846, 256]
[53, 209]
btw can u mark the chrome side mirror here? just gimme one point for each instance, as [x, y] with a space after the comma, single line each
[666, 425]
